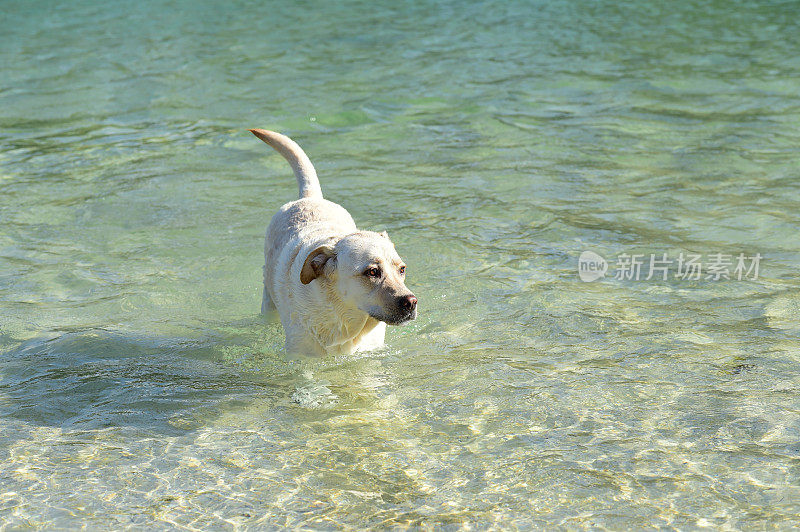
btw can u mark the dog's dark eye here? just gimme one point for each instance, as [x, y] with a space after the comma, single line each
[373, 272]
[402, 270]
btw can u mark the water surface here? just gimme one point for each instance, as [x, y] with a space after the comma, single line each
[495, 141]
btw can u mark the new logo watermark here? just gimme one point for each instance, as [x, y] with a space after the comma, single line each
[686, 266]
[591, 266]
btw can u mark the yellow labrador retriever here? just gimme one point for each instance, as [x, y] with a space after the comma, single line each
[334, 286]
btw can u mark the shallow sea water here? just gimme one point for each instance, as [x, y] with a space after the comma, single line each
[495, 141]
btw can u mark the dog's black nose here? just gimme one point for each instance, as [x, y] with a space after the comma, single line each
[408, 302]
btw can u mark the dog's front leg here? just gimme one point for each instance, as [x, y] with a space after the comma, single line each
[300, 343]
[373, 339]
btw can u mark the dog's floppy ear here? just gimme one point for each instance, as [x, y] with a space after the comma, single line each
[315, 263]
[384, 234]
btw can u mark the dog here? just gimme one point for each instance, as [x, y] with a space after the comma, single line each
[334, 286]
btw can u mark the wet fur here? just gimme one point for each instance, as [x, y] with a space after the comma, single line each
[315, 258]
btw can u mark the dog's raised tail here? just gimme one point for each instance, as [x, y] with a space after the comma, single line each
[307, 179]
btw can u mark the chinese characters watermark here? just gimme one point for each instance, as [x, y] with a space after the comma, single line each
[659, 267]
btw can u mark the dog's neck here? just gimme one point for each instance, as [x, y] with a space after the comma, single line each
[339, 327]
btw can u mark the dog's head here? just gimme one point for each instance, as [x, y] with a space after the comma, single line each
[365, 271]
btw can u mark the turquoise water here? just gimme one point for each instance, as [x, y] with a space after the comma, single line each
[495, 141]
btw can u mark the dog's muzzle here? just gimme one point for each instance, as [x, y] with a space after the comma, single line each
[408, 303]
[405, 309]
